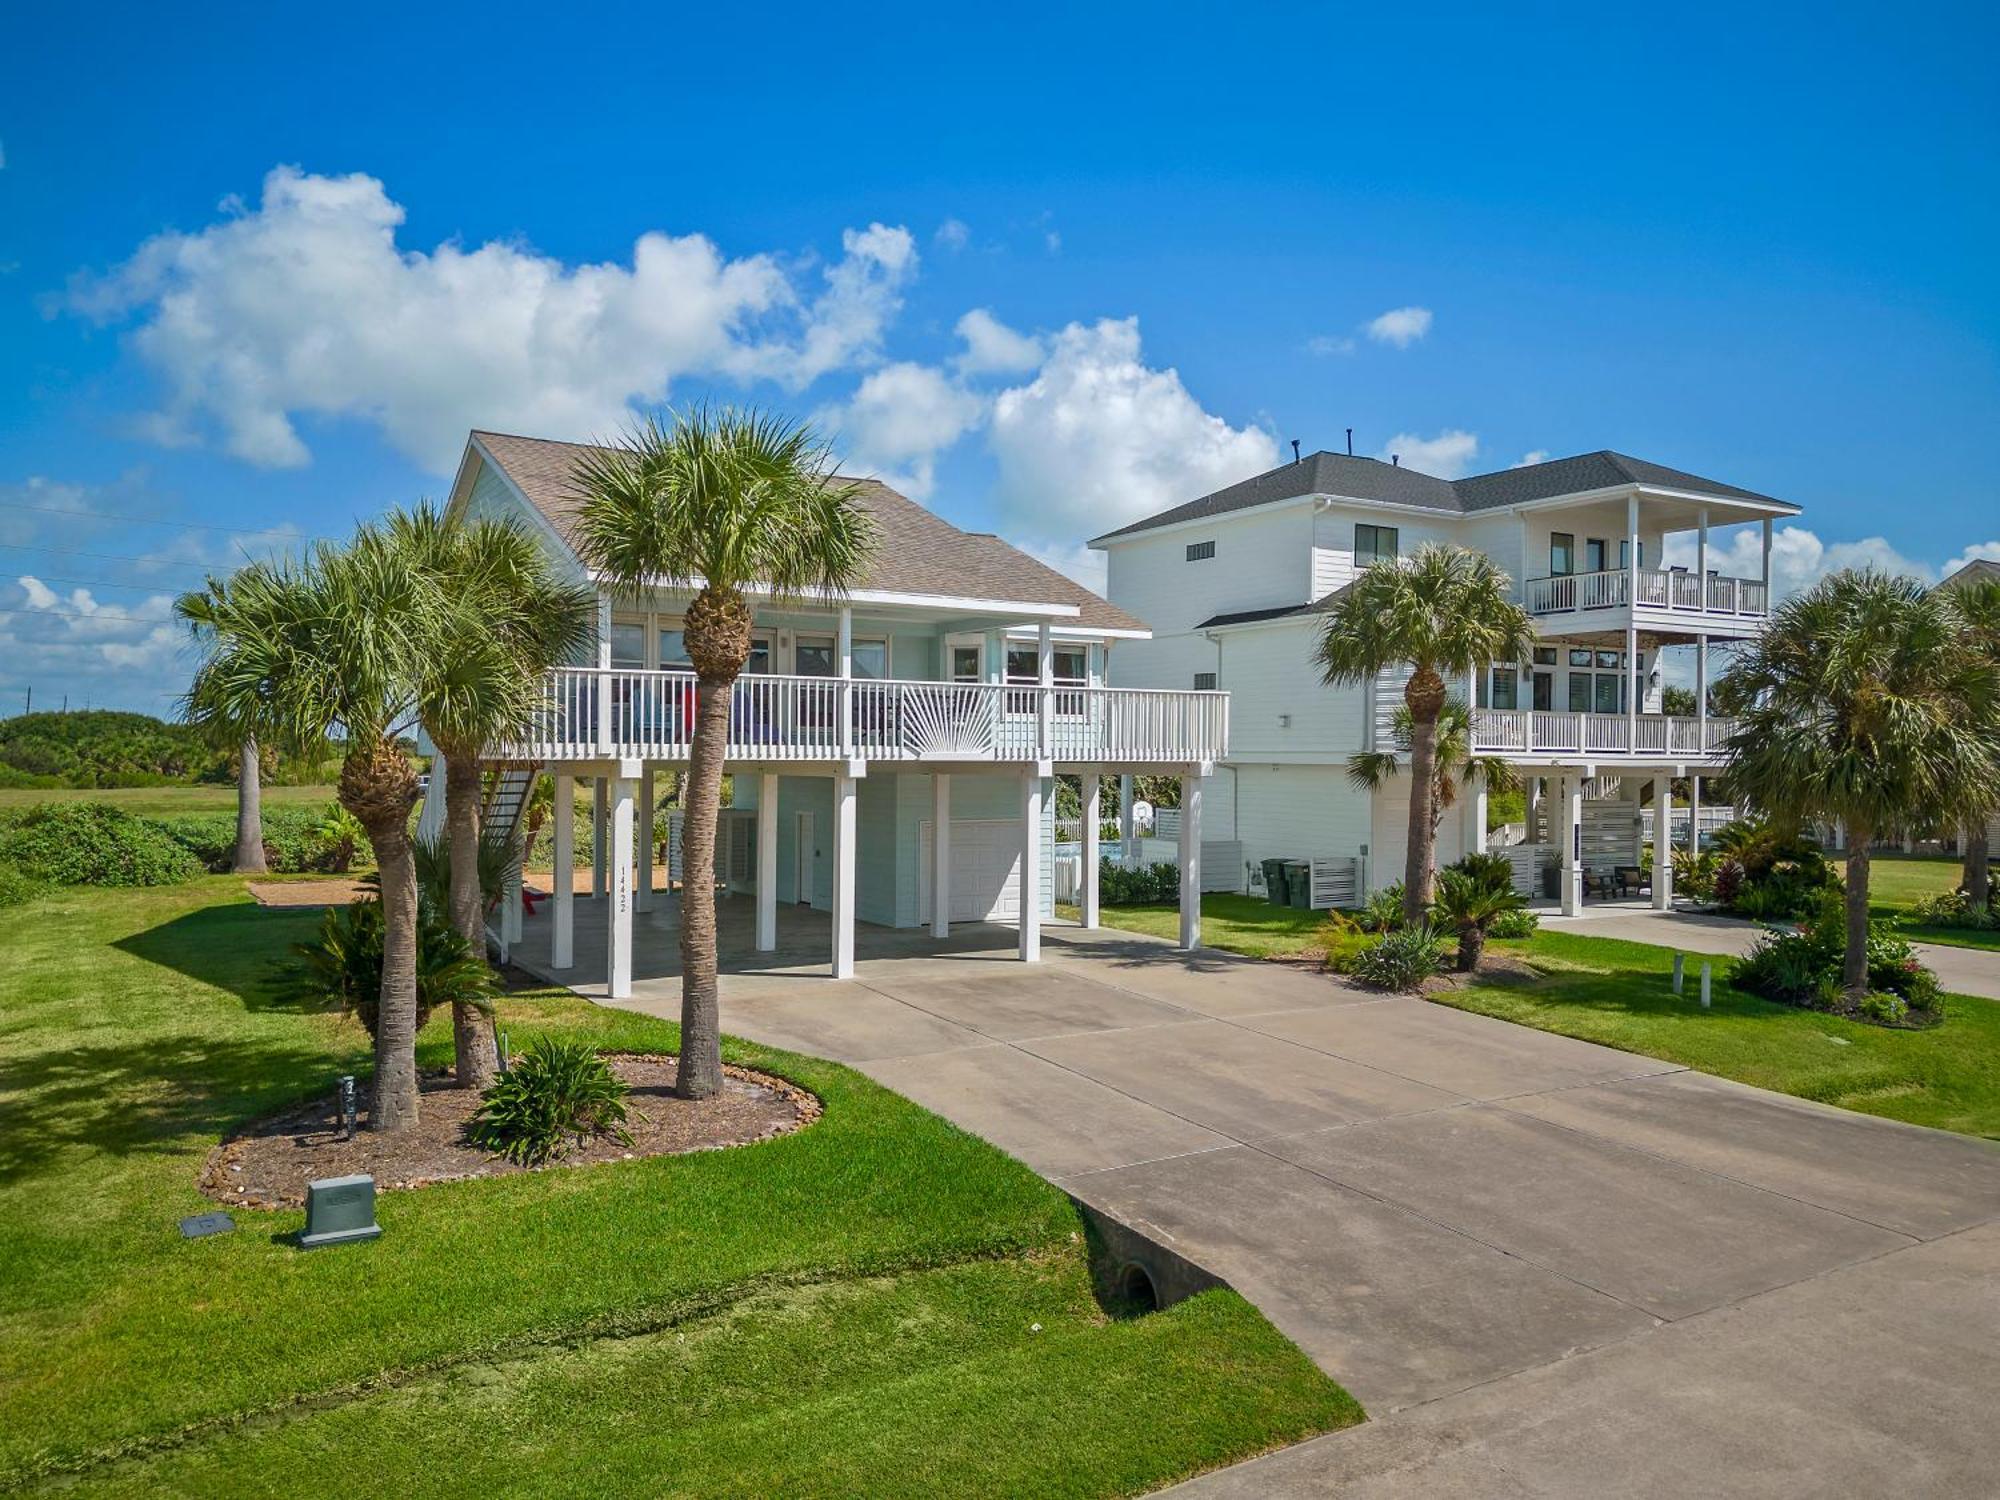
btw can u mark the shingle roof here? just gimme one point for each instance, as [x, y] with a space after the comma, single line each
[1979, 570]
[1393, 484]
[918, 552]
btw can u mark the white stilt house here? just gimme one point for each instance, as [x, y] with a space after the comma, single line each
[1235, 585]
[890, 750]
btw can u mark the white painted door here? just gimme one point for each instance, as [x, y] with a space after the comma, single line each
[985, 870]
[803, 857]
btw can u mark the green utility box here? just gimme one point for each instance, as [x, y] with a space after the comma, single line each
[1299, 880]
[1275, 887]
[339, 1211]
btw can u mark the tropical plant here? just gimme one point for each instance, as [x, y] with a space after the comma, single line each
[717, 501]
[558, 1092]
[342, 965]
[1807, 967]
[1866, 706]
[509, 619]
[341, 833]
[1953, 909]
[1400, 960]
[1976, 603]
[95, 843]
[1473, 894]
[342, 638]
[1444, 613]
[1518, 923]
[1456, 763]
[1384, 909]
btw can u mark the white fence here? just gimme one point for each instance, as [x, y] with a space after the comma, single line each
[1671, 589]
[594, 713]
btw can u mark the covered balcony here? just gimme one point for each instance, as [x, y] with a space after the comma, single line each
[614, 713]
[1672, 591]
[1649, 737]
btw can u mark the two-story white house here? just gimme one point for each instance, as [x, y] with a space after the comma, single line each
[891, 749]
[1235, 584]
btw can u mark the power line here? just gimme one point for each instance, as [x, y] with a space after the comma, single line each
[80, 614]
[103, 515]
[100, 583]
[131, 557]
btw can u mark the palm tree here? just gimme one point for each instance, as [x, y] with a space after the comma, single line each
[1867, 705]
[509, 618]
[719, 501]
[1445, 612]
[249, 858]
[339, 642]
[1456, 763]
[1977, 604]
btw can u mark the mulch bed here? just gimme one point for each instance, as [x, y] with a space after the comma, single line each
[268, 1163]
[292, 894]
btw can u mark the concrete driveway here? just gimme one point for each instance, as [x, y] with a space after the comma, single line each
[1547, 1267]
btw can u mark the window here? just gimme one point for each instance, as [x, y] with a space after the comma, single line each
[673, 652]
[1624, 552]
[628, 643]
[871, 659]
[1612, 659]
[1581, 658]
[1506, 688]
[1562, 554]
[1594, 555]
[1204, 682]
[1607, 692]
[1579, 692]
[1545, 656]
[1545, 691]
[812, 656]
[759, 663]
[1373, 544]
[1200, 551]
[968, 664]
[1070, 666]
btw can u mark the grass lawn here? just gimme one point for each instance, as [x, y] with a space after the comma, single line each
[850, 1309]
[1617, 993]
[1239, 924]
[1896, 882]
[165, 800]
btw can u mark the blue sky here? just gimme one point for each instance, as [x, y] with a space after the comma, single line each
[261, 272]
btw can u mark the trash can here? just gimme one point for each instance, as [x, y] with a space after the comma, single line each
[1275, 889]
[1299, 883]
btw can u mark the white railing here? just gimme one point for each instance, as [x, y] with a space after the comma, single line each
[1523, 731]
[592, 713]
[1669, 589]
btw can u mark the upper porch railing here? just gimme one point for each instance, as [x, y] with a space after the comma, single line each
[593, 713]
[1657, 589]
[1527, 731]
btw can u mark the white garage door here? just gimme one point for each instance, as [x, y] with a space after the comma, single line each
[985, 870]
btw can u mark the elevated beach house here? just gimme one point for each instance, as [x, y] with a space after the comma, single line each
[891, 749]
[1235, 585]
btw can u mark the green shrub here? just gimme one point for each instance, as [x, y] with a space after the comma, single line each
[1955, 909]
[17, 887]
[1400, 960]
[1804, 968]
[342, 966]
[1519, 923]
[94, 843]
[294, 843]
[1384, 911]
[1767, 873]
[1882, 1006]
[1142, 885]
[560, 1092]
[1472, 895]
[1694, 874]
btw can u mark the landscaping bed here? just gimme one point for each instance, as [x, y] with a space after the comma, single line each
[269, 1163]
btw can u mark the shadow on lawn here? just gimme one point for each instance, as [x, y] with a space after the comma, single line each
[239, 948]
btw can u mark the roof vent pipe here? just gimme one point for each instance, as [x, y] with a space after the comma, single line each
[1295, 450]
[1350, 442]
[1396, 460]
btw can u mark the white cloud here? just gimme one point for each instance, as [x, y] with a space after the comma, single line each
[1052, 242]
[953, 234]
[900, 418]
[1978, 551]
[992, 348]
[1072, 560]
[1401, 326]
[306, 304]
[1098, 438]
[1327, 343]
[1799, 559]
[1533, 456]
[1447, 456]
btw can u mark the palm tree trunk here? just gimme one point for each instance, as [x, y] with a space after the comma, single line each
[1978, 871]
[700, 1069]
[477, 1060]
[1424, 693]
[249, 858]
[1854, 964]
[379, 787]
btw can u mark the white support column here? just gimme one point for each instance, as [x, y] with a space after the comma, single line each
[1663, 843]
[1570, 790]
[843, 876]
[644, 850]
[1472, 837]
[941, 855]
[1701, 556]
[1767, 562]
[1701, 686]
[1694, 815]
[1638, 820]
[600, 812]
[1045, 710]
[1190, 853]
[1128, 838]
[1632, 688]
[1533, 806]
[1031, 867]
[1087, 895]
[562, 940]
[618, 910]
[845, 691]
[604, 704]
[767, 862]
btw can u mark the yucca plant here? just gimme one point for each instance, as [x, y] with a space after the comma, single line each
[555, 1097]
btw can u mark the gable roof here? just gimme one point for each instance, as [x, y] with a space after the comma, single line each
[1338, 474]
[1979, 570]
[918, 552]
